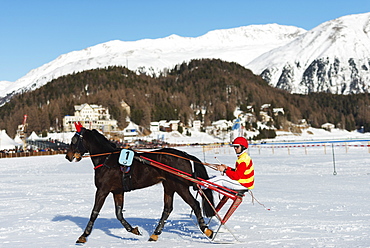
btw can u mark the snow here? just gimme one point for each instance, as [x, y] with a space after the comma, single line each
[318, 134]
[46, 202]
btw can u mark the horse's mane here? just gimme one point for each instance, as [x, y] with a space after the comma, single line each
[103, 141]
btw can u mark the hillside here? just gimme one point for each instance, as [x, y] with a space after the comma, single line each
[212, 85]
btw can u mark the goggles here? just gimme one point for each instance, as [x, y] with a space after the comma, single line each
[236, 145]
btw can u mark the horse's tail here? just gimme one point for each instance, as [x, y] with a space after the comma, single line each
[207, 199]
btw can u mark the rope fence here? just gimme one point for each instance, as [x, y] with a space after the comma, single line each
[289, 147]
[306, 147]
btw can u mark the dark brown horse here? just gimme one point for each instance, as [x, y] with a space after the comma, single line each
[108, 179]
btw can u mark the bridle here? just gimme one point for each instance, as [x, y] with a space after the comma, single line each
[80, 149]
[79, 143]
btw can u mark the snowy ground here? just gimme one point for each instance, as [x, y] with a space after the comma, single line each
[46, 202]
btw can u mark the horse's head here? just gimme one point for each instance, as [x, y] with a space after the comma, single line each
[77, 148]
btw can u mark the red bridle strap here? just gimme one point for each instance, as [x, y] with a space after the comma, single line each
[98, 166]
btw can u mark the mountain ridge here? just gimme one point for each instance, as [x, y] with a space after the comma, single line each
[155, 55]
[332, 57]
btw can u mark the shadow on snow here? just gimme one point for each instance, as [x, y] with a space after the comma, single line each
[181, 227]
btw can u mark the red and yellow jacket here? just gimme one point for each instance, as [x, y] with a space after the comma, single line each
[243, 172]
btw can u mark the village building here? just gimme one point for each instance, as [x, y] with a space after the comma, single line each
[278, 111]
[249, 118]
[222, 125]
[164, 126]
[328, 126]
[265, 117]
[197, 125]
[132, 130]
[154, 126]
[174, 124]
[91, 116]
[265, 107]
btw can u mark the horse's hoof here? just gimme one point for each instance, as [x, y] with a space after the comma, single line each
[81, 240]
[153, 237]
[208, 233]
[135, 231]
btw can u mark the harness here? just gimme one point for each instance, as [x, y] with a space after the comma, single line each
[98, 166]
[126, 178]
[126, 158]
[125, 169]
[103, 164]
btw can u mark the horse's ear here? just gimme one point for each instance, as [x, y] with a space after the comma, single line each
[78, 126]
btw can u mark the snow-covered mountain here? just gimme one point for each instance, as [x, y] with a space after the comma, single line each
[333, 57]
[239, 45]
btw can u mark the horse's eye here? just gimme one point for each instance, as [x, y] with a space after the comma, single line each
[74, 140]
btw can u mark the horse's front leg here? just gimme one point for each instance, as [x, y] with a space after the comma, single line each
[100, 197]
[168, 207]
[118, 202]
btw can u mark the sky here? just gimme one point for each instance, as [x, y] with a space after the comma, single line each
[35, 32]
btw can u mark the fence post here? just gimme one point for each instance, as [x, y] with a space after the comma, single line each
[332, 148]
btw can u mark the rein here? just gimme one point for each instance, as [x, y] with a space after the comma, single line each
[81, 132]
[100, 154]
[212, 166]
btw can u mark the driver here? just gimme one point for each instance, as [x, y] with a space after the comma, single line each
[242, 176]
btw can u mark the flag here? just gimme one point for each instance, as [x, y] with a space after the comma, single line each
[236, 125]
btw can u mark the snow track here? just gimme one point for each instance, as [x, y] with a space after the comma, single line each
[46, 202]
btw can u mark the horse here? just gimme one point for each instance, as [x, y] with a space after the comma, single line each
[109, 179]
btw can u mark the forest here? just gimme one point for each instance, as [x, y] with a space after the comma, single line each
[181, 93]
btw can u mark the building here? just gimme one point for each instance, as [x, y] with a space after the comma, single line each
[132, 130]
[278, 111]
[174, 124]
[265, 107]
[328, 126]
[222, 125]
[91, 116]
[164, 126]
[154, 126]
[265, 117]
[197, 125]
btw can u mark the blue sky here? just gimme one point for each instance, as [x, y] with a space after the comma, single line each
[35, 32]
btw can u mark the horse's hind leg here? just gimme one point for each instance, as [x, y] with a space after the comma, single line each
[167, 209]
[194, 204]
[99, 201]
[118, 202]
